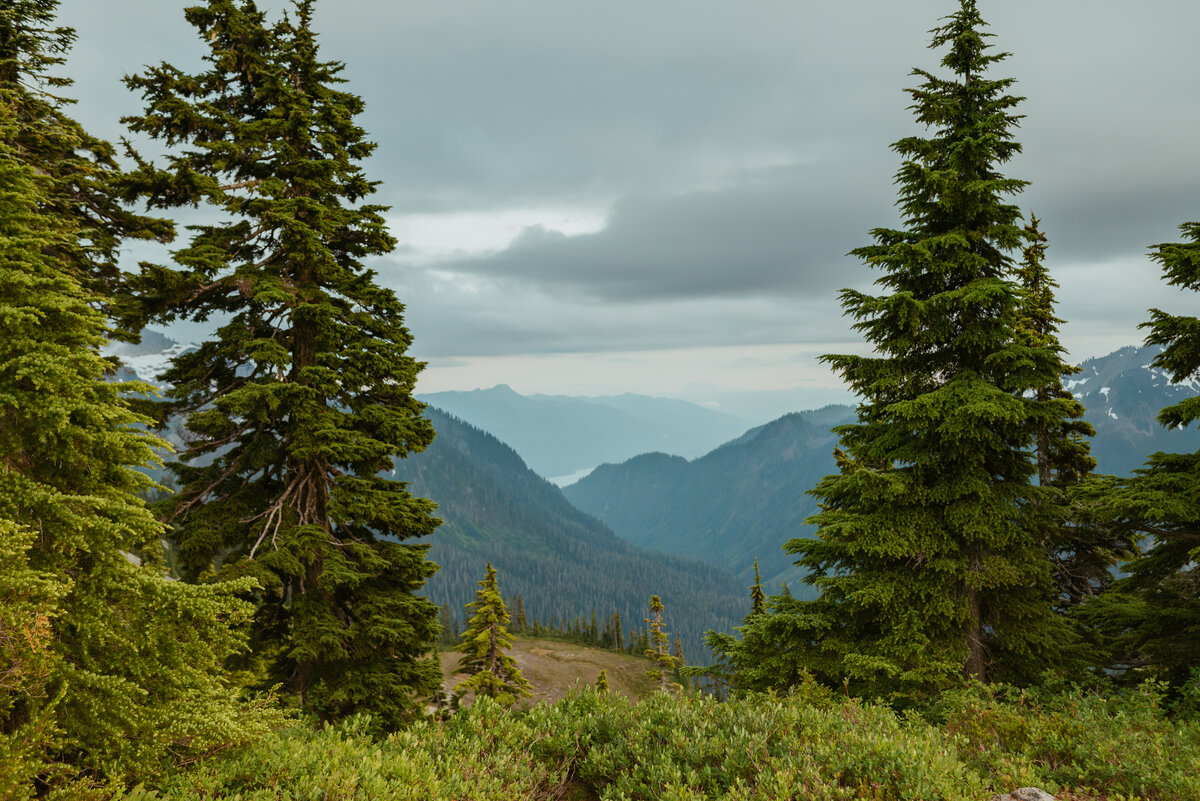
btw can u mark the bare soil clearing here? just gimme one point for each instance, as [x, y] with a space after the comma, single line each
[553, 667]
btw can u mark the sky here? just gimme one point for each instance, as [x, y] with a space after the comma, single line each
[658, 197]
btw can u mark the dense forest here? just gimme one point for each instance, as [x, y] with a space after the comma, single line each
[986, 613]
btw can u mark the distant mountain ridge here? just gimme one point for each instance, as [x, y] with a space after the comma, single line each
[1123, 395]
[557, 435]
[741, 501]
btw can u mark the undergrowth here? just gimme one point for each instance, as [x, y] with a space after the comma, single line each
[807, 745]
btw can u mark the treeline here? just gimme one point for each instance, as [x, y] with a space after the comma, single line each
[606, 632]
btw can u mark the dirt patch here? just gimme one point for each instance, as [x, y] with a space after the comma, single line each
[554, 667]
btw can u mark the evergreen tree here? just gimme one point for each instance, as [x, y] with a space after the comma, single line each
[111, 670]
[1152, 617]
[602, 682]
[304, 395]
[926, 562]
[76, 170]
[490, 671]
[519, 623]
[618, 635]
[656, 650]
[29, 601]
[1081, 549]
[758, 599]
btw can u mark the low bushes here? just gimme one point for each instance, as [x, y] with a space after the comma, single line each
[809, 745]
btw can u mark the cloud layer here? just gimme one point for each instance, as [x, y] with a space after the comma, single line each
[735, 151]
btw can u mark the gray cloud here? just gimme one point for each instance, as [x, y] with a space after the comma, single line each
[743, 147]
[785, 232]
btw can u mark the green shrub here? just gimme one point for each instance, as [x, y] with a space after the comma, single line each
[811, 745]
[1113, 743]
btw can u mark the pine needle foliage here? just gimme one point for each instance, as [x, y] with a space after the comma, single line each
[491, 672]
[78, 171]
[111, 670]
[298, 405]
[927, 565]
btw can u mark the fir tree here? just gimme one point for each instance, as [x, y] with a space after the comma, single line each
[1081, 549]
[490, 670]
[519, 622]
[1152, 617]
[657, 646]
[926, 563]
[118, 671]
[304, 396]
[758, 599]
[602, 682]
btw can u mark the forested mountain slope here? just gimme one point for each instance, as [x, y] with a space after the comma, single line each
[560, 560]
[742, 500]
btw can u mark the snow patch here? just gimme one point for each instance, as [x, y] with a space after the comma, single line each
[149, 366]
[1113, 414]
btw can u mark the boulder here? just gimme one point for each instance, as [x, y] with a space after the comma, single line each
[1024, 794]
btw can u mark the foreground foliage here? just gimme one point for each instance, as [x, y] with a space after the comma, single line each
[108, 670]
[810, 744]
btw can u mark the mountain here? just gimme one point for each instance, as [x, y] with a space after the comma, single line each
[740, 501]
[747, 498]
[558, 435]
[146, 359]
[560, 560]
[1123, 394]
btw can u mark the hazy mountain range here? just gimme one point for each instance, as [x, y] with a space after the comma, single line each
[638, 524]
[558, 435]
[741, 501]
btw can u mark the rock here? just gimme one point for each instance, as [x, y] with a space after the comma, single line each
[1024, 794]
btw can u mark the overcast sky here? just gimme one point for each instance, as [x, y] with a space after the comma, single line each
[658, 197]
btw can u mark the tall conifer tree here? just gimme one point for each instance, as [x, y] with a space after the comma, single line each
[926, 563]
[1152, 617]
[1081, 548]
[120, 674]
[304, 395]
